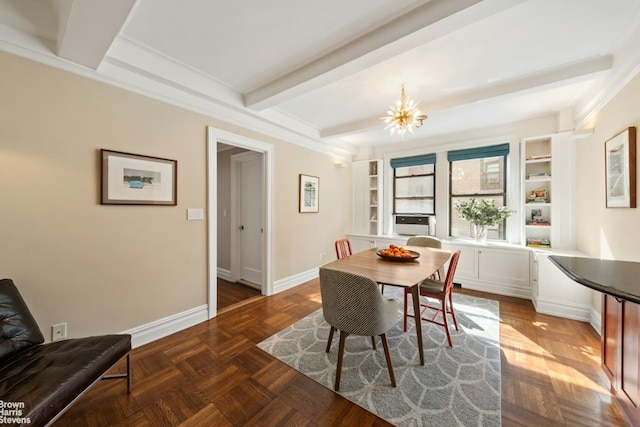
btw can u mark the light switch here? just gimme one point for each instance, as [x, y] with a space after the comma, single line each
[195, 214]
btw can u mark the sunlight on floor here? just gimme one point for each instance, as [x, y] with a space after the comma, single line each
[522, 352]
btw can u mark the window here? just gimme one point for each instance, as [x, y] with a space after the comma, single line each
[480, 173]
[414, 184]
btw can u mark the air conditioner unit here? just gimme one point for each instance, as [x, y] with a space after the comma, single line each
[412, 225]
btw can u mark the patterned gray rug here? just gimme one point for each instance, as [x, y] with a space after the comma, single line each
[457, 386]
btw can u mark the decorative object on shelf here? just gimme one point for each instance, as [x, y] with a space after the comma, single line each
[404, 116]
[537, 218]
[309, 193]
[134, 179]
[538, 196]
[482, 213]
[538, 242]
[620, 162]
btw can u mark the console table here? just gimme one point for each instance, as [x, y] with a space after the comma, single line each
[620, 283]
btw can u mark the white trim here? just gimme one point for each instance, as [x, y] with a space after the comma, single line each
[224, 274]
[161, 328]
[213, 137]
[295, 280]
[508, 290]
[595, 320]
[567, 310]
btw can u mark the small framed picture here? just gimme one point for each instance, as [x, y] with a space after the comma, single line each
[620, 165]
[309, 193]
[134, 179]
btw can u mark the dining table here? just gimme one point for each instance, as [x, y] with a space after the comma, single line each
[404, 273]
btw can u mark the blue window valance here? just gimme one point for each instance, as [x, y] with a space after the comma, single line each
[478, 152]
[423, 159]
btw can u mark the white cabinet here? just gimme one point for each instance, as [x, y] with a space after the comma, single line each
[364, 242]
[500, 270]
[367, 197]
[556, 293]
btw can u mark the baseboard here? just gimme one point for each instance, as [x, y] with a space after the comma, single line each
[295, 280]
[564, 309]
[161, 328]
[224, 274]
[596, 321]
[507, 290]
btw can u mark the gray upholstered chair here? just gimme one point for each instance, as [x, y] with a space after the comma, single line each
[425, 242]
[353, 305]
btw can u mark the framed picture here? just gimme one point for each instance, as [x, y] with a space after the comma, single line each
[133, 179]
[309, 193]
[620, 165]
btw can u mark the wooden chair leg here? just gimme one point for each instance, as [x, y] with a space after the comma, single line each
[343, 336]
[373, 342]
[331, 331]
[453, 313]
[446, 323]
[387, 355]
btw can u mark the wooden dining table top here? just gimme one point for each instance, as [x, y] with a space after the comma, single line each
[404, 274]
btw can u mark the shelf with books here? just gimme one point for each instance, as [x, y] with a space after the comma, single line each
[537, 184]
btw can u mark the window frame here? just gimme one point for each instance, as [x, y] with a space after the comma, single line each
[479, 153]
[421, 160]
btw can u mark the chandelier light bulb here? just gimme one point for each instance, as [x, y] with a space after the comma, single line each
[404, 116]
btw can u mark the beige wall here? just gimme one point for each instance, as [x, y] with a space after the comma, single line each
[108, 269]
[611, 233]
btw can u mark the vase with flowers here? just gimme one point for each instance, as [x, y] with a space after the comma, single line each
[482, 213]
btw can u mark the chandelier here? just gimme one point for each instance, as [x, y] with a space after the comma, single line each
[403, 116]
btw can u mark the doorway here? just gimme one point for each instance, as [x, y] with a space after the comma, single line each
[256, 264]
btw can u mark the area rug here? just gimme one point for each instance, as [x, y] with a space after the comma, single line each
[457, 386]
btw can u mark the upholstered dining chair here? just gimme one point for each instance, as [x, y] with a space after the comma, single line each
[353, 305]
[343, 248]
[426, 242]
[442, 292]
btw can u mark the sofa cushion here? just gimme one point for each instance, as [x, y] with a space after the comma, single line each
[18, 328]
[48, 377]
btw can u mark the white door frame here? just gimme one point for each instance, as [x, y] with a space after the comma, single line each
[213, 137]
[235, 246]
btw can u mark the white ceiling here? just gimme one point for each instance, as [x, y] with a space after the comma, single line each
[324, 72]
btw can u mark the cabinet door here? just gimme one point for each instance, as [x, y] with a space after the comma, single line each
[630, 355]
[611, 310]
[467, 264]
[504, 266]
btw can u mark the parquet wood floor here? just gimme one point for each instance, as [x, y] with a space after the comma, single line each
[213, 375]
[231, 295]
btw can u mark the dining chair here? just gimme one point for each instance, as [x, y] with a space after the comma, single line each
[353, 305]
[441, 291]
[425, 242]
[343, 248]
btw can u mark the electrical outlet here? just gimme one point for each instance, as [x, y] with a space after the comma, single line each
[323, 257]
[58, 332]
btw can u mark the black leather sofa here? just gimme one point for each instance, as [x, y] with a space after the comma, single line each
[38, 382]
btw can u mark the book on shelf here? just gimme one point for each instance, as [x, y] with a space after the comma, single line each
[541, 175]
[538, 243]
[539, 157]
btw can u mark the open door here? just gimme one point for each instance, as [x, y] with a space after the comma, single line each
[247, 230]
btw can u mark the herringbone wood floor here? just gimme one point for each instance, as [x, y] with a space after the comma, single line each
[213, 375]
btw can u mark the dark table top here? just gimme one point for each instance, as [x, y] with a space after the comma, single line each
[620, 279]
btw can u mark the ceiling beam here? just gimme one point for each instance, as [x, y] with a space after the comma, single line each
[88, 27]
[535, 81]
[356, 54]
